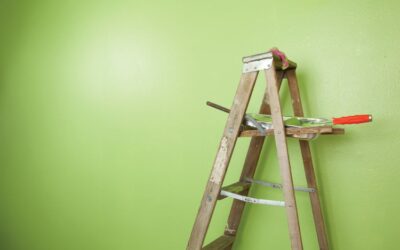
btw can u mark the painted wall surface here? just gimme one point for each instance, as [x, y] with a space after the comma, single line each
[106, 142]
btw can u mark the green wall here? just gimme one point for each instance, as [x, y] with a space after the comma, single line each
[106, 142]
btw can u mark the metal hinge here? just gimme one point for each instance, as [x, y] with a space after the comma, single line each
[257, 62]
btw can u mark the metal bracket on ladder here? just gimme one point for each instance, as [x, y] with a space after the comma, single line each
[257, 62]
[279, 186]
[252, 200]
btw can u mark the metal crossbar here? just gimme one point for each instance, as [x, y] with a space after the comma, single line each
[277, 185]
[252, 200]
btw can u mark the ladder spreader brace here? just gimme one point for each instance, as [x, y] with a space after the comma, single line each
[272, 65]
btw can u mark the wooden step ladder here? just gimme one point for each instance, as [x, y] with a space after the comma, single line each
[275, 72]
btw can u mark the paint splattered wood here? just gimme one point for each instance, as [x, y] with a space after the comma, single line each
[249, 168]
[222, 159]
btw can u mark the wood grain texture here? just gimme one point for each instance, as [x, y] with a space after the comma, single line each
[221, 161]
[249, 168]
[308, 164]
[221, 243]
[289, 131]
[283, 158]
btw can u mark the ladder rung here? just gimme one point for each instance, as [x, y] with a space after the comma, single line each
[237, 188]
[252, 200]
[277, 185]
[222, 242]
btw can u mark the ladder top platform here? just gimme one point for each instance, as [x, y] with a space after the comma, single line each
[270, 56]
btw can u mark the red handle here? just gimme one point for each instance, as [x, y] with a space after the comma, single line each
[353, 119]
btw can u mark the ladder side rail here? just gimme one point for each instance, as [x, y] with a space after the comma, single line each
[249, 167]
[283, 159]
[308, 164]
[227, 144]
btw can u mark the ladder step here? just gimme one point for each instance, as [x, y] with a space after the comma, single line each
[252, 200]
[237, 188]
[294, 131]
[220, 243]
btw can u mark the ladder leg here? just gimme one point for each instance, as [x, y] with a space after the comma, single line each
[221, 161]
[249, 169]
[283, 158]
[308, 165]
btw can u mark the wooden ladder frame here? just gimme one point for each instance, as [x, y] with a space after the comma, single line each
[274, 72]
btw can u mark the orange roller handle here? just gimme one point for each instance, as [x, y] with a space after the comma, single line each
[353, 119]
